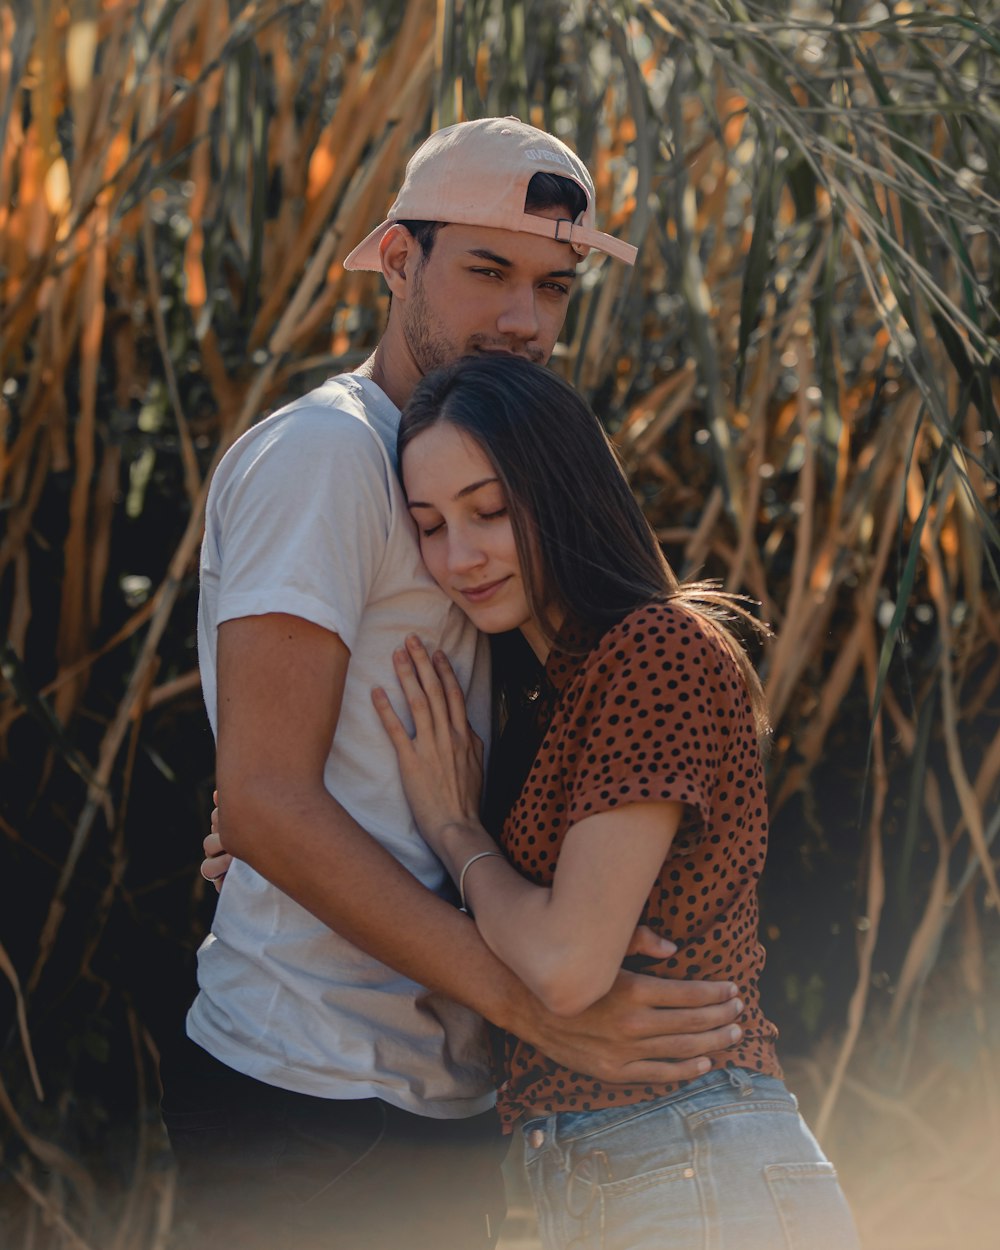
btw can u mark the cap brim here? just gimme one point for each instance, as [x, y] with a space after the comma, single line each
[366, 254]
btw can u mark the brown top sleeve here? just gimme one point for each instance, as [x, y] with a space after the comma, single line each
[656, 696]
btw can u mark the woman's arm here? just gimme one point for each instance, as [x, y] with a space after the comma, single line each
[566, 943]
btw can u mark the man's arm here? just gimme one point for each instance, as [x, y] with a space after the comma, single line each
[280, 685]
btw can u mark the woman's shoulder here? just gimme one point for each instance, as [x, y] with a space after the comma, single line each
[667, 633]
[656, 623]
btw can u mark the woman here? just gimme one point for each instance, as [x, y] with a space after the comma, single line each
[644, 804]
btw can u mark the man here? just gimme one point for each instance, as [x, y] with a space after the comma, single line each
[333, 1089]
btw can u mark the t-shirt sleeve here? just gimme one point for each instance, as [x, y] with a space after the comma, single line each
[301, 522]
[660, 695]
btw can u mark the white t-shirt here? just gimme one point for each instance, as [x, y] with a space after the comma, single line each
[306, 516]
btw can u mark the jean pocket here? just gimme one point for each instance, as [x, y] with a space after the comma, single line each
[653, 1209]
[636, 1197]
[813, 1210]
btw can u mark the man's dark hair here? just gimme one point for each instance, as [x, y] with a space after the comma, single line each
[544, 191]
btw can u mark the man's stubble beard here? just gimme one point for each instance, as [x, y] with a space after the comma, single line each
[430, 347]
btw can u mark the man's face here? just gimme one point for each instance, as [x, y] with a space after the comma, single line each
[487, 290]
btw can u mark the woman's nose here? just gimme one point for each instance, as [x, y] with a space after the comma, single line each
[463, 553]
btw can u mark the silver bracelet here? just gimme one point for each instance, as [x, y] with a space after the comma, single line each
[465, 869]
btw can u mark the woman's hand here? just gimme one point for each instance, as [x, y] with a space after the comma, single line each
[217, 861]
[442, 764]
[650, 946]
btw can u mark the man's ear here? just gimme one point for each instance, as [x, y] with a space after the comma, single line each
[400, 254]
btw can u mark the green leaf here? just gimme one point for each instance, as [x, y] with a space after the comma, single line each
[757, 271]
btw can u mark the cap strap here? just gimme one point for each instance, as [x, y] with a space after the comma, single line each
[578, 237]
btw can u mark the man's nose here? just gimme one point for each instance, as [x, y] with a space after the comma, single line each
[519, 316]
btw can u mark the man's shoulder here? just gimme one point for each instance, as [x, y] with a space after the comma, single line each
[347, 425]
[344, 407]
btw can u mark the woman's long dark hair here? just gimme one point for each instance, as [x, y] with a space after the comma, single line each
[569, 500]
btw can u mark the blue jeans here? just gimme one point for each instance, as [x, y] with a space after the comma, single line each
[726, 1163]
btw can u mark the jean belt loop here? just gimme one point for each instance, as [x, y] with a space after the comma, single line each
[740, 1080]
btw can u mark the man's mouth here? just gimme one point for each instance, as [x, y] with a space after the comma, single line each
[502, 349]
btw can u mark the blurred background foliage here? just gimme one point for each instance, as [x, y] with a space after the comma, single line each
[801, 375]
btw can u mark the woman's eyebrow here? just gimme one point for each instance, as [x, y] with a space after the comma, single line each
[466, 490]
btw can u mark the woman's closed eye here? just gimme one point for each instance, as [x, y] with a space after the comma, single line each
[428, 530]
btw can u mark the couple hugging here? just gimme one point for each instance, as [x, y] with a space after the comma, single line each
[436, 551]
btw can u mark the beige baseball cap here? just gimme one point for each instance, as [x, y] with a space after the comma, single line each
[477, 174]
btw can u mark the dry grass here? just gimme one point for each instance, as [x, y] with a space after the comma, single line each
[801, 376]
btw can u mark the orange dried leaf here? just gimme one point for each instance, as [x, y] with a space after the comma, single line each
[483, 69]
[57, 187]
[196, 290]
[81, 48]
[663, 22]
[321, 168]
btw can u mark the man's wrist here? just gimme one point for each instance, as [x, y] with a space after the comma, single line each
[518, 1011]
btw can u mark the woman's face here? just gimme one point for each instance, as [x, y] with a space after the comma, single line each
[466, 536]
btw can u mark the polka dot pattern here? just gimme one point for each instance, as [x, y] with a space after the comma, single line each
[653, 709]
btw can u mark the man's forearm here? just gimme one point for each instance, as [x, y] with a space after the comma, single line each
[314, 851]
[281, 683]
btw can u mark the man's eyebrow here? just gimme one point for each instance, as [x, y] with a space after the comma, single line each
[483, 253]
[466, 490]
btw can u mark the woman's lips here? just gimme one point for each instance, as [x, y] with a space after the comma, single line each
[479, 594]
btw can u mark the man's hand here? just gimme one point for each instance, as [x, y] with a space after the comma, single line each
[217, 861]
[645, 1030]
